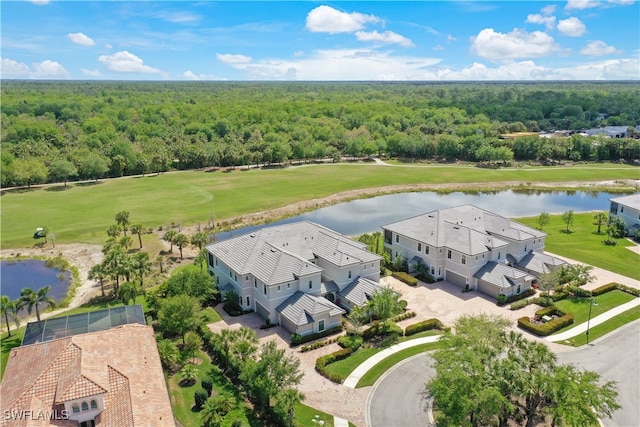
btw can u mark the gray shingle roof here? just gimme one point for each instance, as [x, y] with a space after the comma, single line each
[632, 201]
[466, 229]
[282, 253]
[301, 308]
[359, 291]
[501, 275]
[539, 263]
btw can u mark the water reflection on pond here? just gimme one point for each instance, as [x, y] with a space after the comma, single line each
[367, 215]
[16, 275]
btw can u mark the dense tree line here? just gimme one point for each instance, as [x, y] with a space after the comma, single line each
[56, 131]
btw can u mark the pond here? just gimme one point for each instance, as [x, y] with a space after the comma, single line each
[16, 275]
[367, 215]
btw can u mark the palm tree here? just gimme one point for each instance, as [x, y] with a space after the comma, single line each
[199, 239]
[138, 229]
[97, 273]
[141, 265]
[180, 240]
[122, 219]
[169, 353]
[286, 402]
[201, 258]
[168, 237]
[599, 219]
[126, 242]
[116, 264]
[189, 373]
[127, 292]
[244, 346]
[33, 298]
[210, 414]
[10, 307]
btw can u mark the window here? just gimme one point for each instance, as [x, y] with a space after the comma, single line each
[246, 278]
[288, 285]
[518, 290]
[426, 249]
[433, 270]
[85, 406]
[525, 248]
[349, 274]
[278, 288]
[371, 265]
[397, 239]
[264, 289]
[255, 283]
[419, 247]
[449, 253]
[94, 404]
[75, 408]
[321, 325]
[248, 303]
[310, 284]
[439, 271]
[498, 255]
[463, 259]
[621, 209]
[216, 261]
[364, 267]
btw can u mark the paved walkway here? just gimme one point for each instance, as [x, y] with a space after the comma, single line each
[364, 367]
[581, 328]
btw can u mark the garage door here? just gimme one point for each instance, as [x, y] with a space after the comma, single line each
[262, 310]
[456, 278]
[488, 288]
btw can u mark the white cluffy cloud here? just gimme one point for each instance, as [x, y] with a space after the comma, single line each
[548, 21]
[46, 69]
[385, 37]
[325, 19]
[572, 27]
[582, 4]
[598, 48]
[229, 58]
[190, 75]
[125, 62]
[91, 73]
[81, 39]
[514, 45]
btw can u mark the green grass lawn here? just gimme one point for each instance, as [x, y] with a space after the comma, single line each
[83, 211]
[604, 328]
[387, 363]
[343, 368]
[305, 414]
[584, 245]
[580, 306]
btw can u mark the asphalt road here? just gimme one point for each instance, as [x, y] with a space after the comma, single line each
[398, 399]
[615, 357]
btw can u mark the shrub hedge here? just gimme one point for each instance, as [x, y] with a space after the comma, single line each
[403, 316]
[425, 325]
[350, 341]
[406, 278]
[380, 329]
[550, 327]
[200, 396]
[297, 339]
[426, 278]
[520, 304]
[317, 344]
[323, 361]
[526, 294]
[613, 285]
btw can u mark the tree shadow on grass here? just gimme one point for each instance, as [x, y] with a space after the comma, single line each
[88, 183]
[18, 190]
[56, 188]
[565, 231]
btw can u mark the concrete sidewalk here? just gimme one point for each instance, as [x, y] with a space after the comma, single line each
[581, 328]
[363, 368]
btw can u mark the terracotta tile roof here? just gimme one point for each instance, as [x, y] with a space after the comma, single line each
[40, 376]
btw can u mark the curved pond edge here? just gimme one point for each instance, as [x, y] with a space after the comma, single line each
[60, 263]
[620, 186]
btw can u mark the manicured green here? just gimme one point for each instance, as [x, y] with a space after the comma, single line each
[182, 399]
[580, 306]
[343, 368]
[387, 363]
[604, 328]
[305, 414]
[584, 245]
[83, 211]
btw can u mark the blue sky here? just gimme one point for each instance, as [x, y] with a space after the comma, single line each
[306, 41]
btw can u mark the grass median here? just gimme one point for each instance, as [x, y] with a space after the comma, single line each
[82, 212]
[604, 328]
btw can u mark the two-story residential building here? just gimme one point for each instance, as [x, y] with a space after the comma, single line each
[87, 380]
[472, 248]
[294, 274]
[627, 209]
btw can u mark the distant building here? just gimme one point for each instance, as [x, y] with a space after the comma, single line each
[472, 248]
[612, 131]
[111, 377]
[302, 275]
[627, 209]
